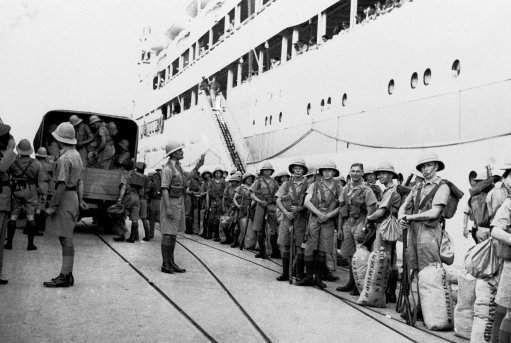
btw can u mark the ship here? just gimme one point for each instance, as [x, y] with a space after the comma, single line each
[349, 81]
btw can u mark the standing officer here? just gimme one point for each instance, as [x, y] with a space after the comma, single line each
[84, 136]
[172, 208]
[322, 200]
[263, 193]
[7, 158]
[290, 197]
[44, 187]
[64, 207]
[356, 203]
[154, 200]
[425, 218]
[26, 177]
[370, 179]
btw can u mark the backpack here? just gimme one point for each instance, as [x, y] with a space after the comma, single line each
[482, 216]
[454, 198]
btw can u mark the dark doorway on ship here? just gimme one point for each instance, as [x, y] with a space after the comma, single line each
[218, 30]
[247, 9]
[307, 35]
[272, 52]
[337, 18]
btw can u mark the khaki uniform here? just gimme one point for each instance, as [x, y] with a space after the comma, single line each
[229, 212]
[265, 189]
[26, 176]
[6, 160]
[390, 202]
[496, 197]
[46, 184]
[69, 168]
[320, 236]
[192, 205]
[154, 200]
[290, 193]
[135, 191]
[105, 156]
[215, 192]
[424, 237]
[83, 134]
[502, 220]
[174, 180]
[354, 202]
[247, 235]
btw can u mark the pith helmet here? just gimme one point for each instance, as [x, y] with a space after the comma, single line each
[329, 165]
[369, 170]
[234, 177]
[280, 174]
[386, 167]
[481, 175]
[41, 152]
[94, 119]
[247, 175]
[4, 129]
[311, 172]
[65, 133]
[124, 143]
[218, 168]
[300, 162]
[427, 157]
[507, 164]
[205, 171]
[266, 166]
[75, 120]
[172, 147]
[24, 148]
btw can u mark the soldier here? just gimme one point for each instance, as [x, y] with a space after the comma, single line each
[131, 194]
[173, 204]
[230, 217]
[370, 179]
[7, 158]
[322, 200]
[122, 158]
[154, 200]
[214, 197]
[104, 145]
[388, 206]
[242, 200]
[45, 187]
[265, 216]
[290, 198]
[356, 203]
[26, 177]
[64, 206]
[53, 147]
[477, 209]
[84, 137]
[423, 209]
[281, 177]
[192, 202]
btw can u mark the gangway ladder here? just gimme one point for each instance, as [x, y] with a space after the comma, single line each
[228, 140]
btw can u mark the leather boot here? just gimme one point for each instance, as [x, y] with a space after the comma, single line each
[235, 238]
[31, 231]
[350, 286]
[308, 280]
[319, 272]
[176, 268]
[299, 267]
[133, 233]
[262, 245]
[390, 292]
[147, 231]
[285, 269]
[275, 252]
[166, 267]
[60, 281]
[11, 229]
[40, 221]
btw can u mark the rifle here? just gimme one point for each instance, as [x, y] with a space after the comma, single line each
[206, 220]
[403, 301]
[291, 251]
[242, 243]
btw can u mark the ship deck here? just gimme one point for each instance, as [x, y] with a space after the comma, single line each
[226, 295]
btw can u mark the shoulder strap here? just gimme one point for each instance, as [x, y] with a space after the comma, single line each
[430, 195]
[23, 170]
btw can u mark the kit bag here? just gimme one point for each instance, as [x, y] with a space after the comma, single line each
[464, 310]
[435, 298]
[359, 265]
[446, 248]
[484, 310]
[481, 260]
[390, 229]
[375, 282]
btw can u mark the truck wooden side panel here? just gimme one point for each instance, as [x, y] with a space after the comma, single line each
[100, 184]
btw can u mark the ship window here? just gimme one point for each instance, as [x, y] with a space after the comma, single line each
[427, 77]
[309, 108]
[414, 80]
[253, 122]
[272, 52]
[247, 9]
[390, 87]
[322, 103]
[307, 35]
[218, 30]
[203, 43]
[280, 117]
[337, 18]
[344, 100]
[155, 82]
[456, 68]
[329, 101]
[265, 121]
[271, 117]
[175, 66]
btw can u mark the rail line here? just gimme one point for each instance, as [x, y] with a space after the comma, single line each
[347, 301]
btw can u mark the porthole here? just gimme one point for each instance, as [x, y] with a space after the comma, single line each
[265, 121]
[329, 101]
[280, 117]
[427, 77]
[322, 102]
[390, 87]
[253, 122]
[456, 68]
[271, 117]
[414, 80]
[344, 100]
[309, 108]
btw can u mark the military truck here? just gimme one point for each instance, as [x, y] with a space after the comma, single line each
[100, 186]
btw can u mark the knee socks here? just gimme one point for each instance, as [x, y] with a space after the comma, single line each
[68, 255]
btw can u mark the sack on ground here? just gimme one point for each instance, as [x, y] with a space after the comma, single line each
[390, 229]
[481, 260]
[464, 310]
[359, 265]
[446, 249]
[435, 298]
[375, 282]
[484, 310]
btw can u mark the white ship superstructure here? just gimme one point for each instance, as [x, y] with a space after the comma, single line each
[339, 78]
